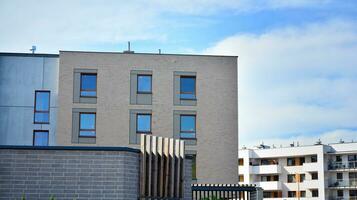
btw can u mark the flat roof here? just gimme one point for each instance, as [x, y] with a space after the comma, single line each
[80, 148]
[29, 54]
[135, 53]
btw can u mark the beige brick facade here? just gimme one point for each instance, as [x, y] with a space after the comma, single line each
[217, 118]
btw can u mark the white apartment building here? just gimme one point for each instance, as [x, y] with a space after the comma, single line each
[302, 172]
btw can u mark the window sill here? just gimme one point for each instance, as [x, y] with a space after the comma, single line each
[188, 138]
[143, 92]
[82, 136]
[188, 99]
[88, 96]
[41, 122]
[148, 133]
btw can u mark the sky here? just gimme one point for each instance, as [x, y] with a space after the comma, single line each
[297, 73]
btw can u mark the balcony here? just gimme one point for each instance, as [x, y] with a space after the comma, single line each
[351, 183]
[269, 185]
[310, 167]
[266, 169]
[351, 165]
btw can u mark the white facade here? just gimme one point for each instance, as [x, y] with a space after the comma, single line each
[325, 171]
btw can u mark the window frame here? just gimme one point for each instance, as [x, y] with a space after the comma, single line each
[95, 126]
[195, 88]
[314, 159]
[80, 85]
[34, 134]
[136, 128]
[137, 84]
[42, 111]
[195, 131]
[313, 191]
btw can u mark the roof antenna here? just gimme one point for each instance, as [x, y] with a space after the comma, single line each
[33, 49]
[128, 51]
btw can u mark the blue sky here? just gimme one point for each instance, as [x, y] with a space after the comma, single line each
[297, 58]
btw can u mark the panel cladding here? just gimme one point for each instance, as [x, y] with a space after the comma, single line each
[68, 174]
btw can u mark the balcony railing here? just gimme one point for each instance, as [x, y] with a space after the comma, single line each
[344, 183]
[342, 165]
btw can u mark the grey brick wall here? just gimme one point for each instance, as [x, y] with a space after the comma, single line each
[68, 174]
[188, 179]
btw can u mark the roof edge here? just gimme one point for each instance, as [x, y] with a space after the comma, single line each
[161, 54]
[29, 54]
[80, 148]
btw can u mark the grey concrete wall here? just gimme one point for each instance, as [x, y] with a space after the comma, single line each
[217, 113]
[20, 76]
[69, 174]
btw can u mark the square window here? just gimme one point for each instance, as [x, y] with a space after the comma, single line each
[302, 193]
[87, 124]
[88, 85]
[291, 161]
[315, 193]
[188, 87]
[291, 193]
[42, 107]
[144, 84]
[314, 158]
[340, 193]
[40, 138]
[314, 176]
[143, 123]
[291, 178]
[188, 126]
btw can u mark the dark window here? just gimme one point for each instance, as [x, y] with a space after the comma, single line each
[188, 126]
[194, 173]
[338, 159]
[144, 84]
[352, 158]
[339, 176]
[40, 138]
[315, 193]
[240, 161]
[353, 193]
[302, 193]
[291, 178]
[188, 87]
[314, 158]
[302, 177]
[314, 176]
[87, 124]
[241, 178]
[291, 161]
[88, 85]
[143, 123]
[302, 160]
[340, 193]
[291, 193]
[42, 107]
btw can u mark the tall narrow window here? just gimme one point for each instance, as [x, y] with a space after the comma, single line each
[144, 84]
[40, 138]
[88, 85]
[143, 123]
[42, 107]
[194, 168]
[187, 126]
[87, 124]
[188, 87]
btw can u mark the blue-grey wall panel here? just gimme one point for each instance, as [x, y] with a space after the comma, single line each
[20, 76]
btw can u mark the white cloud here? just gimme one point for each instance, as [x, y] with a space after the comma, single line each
[295, 80]
[67, 24]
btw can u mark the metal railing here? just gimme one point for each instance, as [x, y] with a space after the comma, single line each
[226, 192]
[342, 165]
[344, 183]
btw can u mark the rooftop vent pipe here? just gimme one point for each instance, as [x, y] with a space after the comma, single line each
[128, 51]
